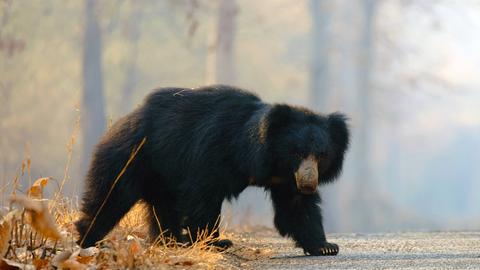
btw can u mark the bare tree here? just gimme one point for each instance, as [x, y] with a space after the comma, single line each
[319, 54]
[220, 58]
[362, 157]
[93, 115]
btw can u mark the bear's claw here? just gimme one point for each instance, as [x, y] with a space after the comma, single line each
[329, 249]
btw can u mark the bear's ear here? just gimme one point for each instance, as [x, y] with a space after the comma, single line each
[339, 135]
[338, 130]
[278, 117]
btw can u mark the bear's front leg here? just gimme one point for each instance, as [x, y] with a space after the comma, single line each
[299, 216]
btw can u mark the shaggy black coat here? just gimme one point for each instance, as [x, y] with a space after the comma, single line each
[204, 146]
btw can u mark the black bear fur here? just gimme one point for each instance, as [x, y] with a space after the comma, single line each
[206, 145]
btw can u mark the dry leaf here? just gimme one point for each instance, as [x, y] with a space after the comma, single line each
[134, 248]
[84, 260]
[5, 229]
[11, 265]
[36, 190]
[187, 263]
[27, 203]
[40, 218]
[72, 265]
[4, 265]
[88, 252]
[60, 258]
[40, 263]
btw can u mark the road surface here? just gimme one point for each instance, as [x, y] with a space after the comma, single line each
[430, 250]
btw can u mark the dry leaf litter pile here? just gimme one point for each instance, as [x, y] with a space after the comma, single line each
[38, 233]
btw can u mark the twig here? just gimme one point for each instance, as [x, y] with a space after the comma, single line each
[69, 158]
[160, 236]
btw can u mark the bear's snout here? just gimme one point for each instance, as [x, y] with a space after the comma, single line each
[306, 176]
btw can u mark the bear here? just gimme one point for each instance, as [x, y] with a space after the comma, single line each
[204, 145]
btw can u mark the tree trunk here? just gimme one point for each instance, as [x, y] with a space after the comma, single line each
[93, 114]
[220, 58]
[364, 181]
[319, 94]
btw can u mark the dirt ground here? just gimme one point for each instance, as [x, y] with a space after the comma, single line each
[264, 249]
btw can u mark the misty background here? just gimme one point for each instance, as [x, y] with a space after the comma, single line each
[405, 72]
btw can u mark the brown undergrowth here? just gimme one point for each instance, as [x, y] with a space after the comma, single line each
[34, 234]
[38, 233]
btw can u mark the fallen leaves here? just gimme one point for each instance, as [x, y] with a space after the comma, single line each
[134, 247]
[68, 260]
[5, 228]
[12, 265]
[61, 257]
[41, 263]
[36, 190]
[72, 265]
[39, 235]
[39, 216]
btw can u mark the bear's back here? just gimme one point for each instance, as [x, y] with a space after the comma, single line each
[215, 94]
[195, 127]
[197, 106]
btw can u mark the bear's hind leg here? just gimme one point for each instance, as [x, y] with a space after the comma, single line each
[164, 223]
[99, 213]
[203, 219]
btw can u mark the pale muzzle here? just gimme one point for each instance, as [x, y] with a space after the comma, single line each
[306, 176]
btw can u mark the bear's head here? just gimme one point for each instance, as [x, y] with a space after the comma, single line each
[304, 146]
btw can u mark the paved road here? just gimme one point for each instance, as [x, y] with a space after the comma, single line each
[433, 250]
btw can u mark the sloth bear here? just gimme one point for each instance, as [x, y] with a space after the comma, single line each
[202, 146]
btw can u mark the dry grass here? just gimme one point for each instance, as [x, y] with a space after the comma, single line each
[38, 233]
[26, 247]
